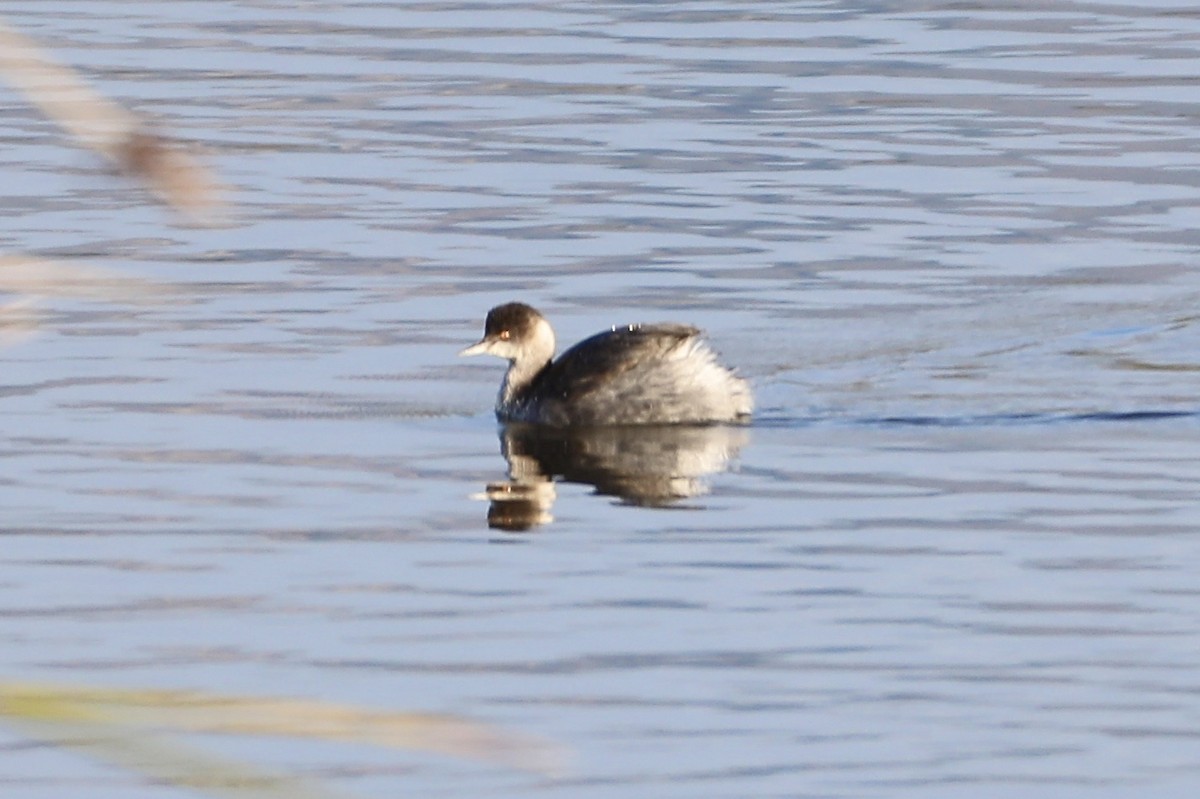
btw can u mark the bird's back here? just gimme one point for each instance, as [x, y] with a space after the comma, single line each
[639, 374]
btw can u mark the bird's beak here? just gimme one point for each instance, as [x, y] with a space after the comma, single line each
[482, 347]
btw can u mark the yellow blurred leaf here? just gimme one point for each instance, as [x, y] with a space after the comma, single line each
[117, 719]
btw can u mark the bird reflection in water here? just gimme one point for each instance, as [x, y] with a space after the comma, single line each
[650, 466]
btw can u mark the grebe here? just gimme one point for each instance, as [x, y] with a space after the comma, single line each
[635, 374]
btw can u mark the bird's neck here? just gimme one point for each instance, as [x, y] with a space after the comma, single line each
[520, 376]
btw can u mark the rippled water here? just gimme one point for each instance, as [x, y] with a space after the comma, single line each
[954, 249]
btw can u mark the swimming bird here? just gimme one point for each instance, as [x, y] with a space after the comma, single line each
[634, 374]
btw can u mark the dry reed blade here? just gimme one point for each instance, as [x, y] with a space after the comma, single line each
[33, 276]
[122, 137]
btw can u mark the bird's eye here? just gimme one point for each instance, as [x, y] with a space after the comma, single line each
[505, 335]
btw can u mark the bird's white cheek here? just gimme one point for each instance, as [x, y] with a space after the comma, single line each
[503, 349]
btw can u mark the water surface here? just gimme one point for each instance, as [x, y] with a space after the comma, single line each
[953, 248]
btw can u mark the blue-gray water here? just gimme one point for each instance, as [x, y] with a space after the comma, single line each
[954, 249]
